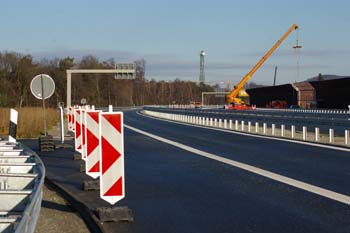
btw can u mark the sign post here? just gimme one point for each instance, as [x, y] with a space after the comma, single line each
[42, 87]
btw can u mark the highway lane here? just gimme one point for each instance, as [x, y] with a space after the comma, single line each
[208, 196]
[319, 166]
[325, 121]
[173, 190]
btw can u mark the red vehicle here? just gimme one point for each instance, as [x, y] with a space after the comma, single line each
[277, 104]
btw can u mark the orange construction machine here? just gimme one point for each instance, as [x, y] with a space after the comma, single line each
[236, 99]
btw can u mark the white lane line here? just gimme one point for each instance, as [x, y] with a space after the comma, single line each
[283, 179]
[250, 135]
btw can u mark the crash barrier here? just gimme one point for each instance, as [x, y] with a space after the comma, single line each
[301, 110]
[282, 132]
[325, 111]
[22, 176]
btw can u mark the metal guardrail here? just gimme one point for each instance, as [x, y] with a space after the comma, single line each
[22, 176]
[247, 127]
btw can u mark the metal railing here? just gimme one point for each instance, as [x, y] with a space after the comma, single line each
[273, 131]
[21, 182]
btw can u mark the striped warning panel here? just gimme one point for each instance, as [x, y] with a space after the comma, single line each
[112, 187]
[77, 126]
[92, 143]
[13, 126]
[70, 119]
[83, 133]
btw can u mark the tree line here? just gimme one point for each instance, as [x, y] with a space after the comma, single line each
[17, 71]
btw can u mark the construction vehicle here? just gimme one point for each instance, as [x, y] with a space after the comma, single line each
[236, 99]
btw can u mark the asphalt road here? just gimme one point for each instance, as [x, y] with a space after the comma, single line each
[173, 190]
[324, 121]
[178, 191]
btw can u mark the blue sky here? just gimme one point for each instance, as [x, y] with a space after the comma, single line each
[170, 34]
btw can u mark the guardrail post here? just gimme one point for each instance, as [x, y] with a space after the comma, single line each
[211, 122]
[331, 135]
[13, 126]
[346, 137]
[273, 126]
[230, 124]
[282, 130]
[236, 124]
[220, 125]
[292, 131]
[215, 122]
[264, 128]
[317, 134]
[256, 127]
[304, 133]
[249, 126]
[225, 123]
[242, 125]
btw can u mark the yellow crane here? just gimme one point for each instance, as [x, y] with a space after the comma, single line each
[234, 98]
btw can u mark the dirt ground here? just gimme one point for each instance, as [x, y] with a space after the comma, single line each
[57, 216]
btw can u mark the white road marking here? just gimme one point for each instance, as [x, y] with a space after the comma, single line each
[252, 135]
[283, 179]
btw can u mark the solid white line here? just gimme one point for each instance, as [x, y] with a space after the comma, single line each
[283, 179]
[251, 135]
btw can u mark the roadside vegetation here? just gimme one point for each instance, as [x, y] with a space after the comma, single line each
[30, 121]
[17, 71]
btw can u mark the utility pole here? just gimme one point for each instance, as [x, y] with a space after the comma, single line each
[201, 67]
[274, 79]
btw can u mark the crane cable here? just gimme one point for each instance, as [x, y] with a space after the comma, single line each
[296, 50]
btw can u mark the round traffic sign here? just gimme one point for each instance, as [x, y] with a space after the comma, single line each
[83, 101]
[42, 86]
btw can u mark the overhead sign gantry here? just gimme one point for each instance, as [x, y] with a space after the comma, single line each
[122, 71]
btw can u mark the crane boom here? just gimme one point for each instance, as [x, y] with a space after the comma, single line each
[232, 97]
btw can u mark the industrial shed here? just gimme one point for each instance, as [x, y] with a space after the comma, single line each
[332, 93]
[264, 95]
[306, 94]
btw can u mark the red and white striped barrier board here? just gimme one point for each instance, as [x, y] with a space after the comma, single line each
[83, 134]
[78, 141]
[70, 116]
[112, 187]
[92, 144]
